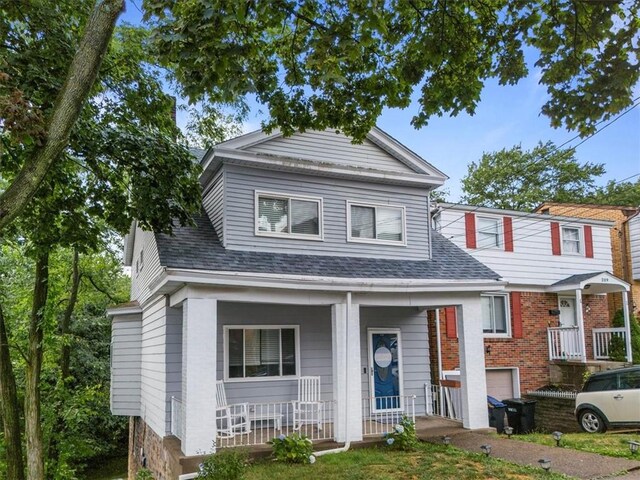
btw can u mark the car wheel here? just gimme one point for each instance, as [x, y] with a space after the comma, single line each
[591, 422]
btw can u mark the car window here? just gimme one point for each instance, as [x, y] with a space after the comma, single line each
[599, 384]
[630, 380]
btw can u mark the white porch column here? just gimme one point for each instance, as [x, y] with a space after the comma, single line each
[580, 320]
[345, 327]
[199, 362]
[472, 368]
[627, 325]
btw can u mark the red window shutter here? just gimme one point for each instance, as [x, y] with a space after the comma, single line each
[470, 229]
[516, 314]
[450, 319]
[508, 234]
[588, 242]
[555, 238]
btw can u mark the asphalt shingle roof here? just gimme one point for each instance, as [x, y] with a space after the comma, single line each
[573, 279]
[198, 248]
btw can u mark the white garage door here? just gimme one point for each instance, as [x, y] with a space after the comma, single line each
[500, 383]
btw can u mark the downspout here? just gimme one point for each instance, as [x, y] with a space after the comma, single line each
[347, 443]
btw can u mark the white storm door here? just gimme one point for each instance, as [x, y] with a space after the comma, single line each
[568, 316]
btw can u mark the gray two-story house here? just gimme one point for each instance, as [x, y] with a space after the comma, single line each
[296, 303]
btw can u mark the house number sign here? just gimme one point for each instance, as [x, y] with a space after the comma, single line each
[382, 357]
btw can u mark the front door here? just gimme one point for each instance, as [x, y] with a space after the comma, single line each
[385, 366]
[567, 312]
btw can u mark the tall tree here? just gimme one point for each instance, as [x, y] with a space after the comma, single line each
[337, 63]
[617, 193]
[518, 179]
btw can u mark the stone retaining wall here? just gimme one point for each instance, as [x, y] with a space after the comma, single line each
[554, 414]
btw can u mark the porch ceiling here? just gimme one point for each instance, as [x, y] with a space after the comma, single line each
[590, 283]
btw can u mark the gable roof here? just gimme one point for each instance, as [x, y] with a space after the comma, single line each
[593, 282]
[198, 248]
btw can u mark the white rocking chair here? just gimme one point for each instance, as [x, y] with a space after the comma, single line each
[230, 419]
[308, 408]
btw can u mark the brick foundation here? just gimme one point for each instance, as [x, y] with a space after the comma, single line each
[530, 354]
[147, 449]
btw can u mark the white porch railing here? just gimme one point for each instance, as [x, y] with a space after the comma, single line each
[269, 420]
[602, 339]
[564, 344]
[381, 414]
[443, 401]
[177, 416]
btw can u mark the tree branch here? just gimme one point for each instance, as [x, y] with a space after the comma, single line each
[100, 289]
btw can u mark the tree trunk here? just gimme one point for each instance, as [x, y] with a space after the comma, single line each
[32, 417]
[9, 407]
[80, 78]
[65, 323]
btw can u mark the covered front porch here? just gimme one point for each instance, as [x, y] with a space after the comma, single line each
[581, 335]
[367, 350]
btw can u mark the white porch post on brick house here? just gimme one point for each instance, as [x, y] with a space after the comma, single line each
[472, 366]
[345, 347]
[580, 320]
[627, 325]
[199, 332]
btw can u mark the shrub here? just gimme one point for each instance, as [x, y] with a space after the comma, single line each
[403, 436]
[295, 448]
[224, 465]
[618, 321]
[144, 474]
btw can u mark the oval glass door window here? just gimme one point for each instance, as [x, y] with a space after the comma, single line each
[383, 357]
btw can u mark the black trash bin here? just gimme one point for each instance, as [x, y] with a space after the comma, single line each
[496, 413]
[521, 414]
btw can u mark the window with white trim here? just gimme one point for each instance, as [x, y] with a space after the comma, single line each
[495, 314]
[488, 232]
[571, 241]
[376, 223]
[291, 216]
[261, 352]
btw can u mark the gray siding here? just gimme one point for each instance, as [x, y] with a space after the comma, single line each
[154, 366]
[126, 337]
[414, 347]
[634, 239]
[213, 203]
[174, 359]
[328, 146]
[150, 269]
[315, 349]
[241, 184]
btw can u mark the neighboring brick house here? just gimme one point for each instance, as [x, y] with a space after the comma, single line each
[621, 239]
[554, 308]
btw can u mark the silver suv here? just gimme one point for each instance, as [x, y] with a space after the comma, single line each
[610, 399]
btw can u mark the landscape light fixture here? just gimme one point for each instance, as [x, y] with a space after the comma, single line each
[557, 436]
[545, 464]
[446, 440]
[486, 449]
[634, 446]
[508, 431]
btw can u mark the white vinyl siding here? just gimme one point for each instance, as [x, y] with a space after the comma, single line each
[634, 240]
[571, 241]
[532, 262]
[126, 339]
[327, 146]
[283, 215]
[261, 352]
[495, 315]
[147, 264]
[241, 184]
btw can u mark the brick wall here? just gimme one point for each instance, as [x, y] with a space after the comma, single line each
[620, 250]
[555, 414]
[529, 354]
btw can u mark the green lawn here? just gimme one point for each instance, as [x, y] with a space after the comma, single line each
[428, 462]
[610, 444]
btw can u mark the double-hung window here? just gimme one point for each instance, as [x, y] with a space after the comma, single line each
[288, 216]
[488, 232]
[495, 314]
[261, 352]
[376, 224]
[571, 241]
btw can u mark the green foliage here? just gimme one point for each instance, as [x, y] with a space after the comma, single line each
[224, 465]
[144, 474]
[619, 194]
[403, 436]
[330, 63]
[618, 321]
[295, 448]
[518, 179]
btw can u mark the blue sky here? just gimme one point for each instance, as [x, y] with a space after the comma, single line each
[506, 116]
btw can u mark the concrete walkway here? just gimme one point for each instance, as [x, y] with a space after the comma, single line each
[570, 462]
